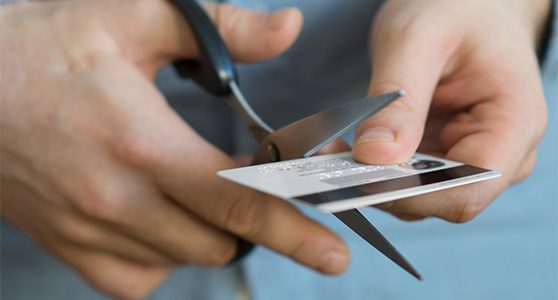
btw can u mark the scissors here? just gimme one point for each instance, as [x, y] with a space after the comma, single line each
[215, 71]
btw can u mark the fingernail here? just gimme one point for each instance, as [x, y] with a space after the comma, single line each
[333, 262]
[376, 134]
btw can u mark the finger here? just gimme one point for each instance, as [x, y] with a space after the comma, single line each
[407, 217]
[132, 207]
[123, 194]
[251, 215]
[254, 36]
[121, 279]
[457, 205]
[338, 145]
[65, 226]
[116, 277]
[261, 219]
[249, 35]
[463, 203]
[102, 238]
[505, 145]
[184, 167]
[402, 58]
[275, 224]
[491, 127]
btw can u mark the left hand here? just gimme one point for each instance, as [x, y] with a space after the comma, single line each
[474, 95]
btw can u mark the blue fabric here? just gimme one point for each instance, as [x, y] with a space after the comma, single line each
[509, 252]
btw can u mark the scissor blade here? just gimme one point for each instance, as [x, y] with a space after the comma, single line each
[305, 137]
[240, 105]
[359, 224]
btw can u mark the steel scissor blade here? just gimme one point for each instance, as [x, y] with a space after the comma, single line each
[240, 105]
[305, 137]
[359, 224]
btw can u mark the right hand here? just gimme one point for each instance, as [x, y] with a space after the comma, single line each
[99, 170]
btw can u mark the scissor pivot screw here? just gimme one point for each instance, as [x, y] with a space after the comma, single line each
[272, 152]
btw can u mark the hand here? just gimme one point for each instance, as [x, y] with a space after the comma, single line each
[474, 95]
[99, 170]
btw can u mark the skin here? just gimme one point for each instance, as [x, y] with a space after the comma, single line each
[474, 95]
[100, 171]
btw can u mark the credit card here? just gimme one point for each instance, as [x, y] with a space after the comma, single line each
[347, 184]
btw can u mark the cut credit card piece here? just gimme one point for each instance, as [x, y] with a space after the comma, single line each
[347, 184]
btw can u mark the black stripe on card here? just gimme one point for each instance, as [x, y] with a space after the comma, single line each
[392, 185]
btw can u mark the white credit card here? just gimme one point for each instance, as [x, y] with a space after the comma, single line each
[335, 182]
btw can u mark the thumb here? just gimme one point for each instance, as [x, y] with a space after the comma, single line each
[400, 60]
[249, 35]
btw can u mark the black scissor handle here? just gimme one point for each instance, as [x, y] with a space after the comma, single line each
[214, 70]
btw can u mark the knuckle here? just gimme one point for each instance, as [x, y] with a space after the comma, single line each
[102, 204]
[137, 150]
[244, 216]
[466, 209]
